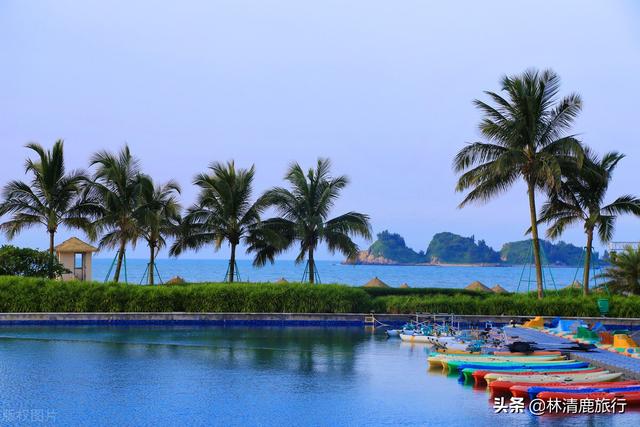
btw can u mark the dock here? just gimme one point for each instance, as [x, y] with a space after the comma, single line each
[598, 357]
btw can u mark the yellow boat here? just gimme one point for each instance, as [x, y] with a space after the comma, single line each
[441, 360]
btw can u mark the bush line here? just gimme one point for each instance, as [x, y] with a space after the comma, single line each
[21, 295]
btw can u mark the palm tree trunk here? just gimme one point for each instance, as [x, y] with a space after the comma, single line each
[151, 262]
[536, 241]
[587, 262]
[232, 263]
[312, 267]
[51, 254]
[116, 275]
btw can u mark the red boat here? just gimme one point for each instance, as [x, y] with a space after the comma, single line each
[478, 376]
[499, 388]
[631, 398]
[522, 389]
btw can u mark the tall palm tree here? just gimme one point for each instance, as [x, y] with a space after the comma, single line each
[304, 211]
[117, 186]
[525, 138]
[623, 275]
[223, 212]
[158, 216]
[580, 199]
[51, 199]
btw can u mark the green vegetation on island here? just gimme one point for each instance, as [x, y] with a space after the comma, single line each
[391, 246]
[560, 253]
[451, 248]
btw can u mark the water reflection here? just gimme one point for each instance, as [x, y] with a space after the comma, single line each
[98, 375]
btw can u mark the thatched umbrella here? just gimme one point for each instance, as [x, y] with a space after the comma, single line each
[405, 286]
[376, 283]
[477, 286]
[497, 289]
[574, 285]
[281, 281]
[175, 281]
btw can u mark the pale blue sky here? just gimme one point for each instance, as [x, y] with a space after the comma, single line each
[383, 88]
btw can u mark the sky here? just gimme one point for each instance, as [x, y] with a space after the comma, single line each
[382, 88]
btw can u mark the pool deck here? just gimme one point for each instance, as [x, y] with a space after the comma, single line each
[602, 358]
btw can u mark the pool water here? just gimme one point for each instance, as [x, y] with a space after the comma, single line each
[190, 376]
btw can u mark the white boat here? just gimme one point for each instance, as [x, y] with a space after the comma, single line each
[448, 342]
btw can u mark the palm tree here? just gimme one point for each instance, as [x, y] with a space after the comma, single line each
[304, 211]
[117, 186]
[158, 216]
[624, 272]
[525, 139]
[223, 212]
[52, 197]
[581, 199]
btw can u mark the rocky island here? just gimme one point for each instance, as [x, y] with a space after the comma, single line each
[452, 249]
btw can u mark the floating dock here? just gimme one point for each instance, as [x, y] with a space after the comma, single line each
[598, 357]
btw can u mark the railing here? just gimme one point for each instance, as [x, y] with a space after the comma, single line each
[620, 246]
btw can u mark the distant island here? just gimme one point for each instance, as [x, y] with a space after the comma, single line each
[452, 249]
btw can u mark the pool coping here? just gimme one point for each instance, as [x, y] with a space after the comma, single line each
[321, 319]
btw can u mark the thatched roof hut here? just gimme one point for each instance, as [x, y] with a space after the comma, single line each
[76, 256]
[405, 286]
[478, 287]
[497, 289]
[376, 283]
[75, 245]
[281, 281]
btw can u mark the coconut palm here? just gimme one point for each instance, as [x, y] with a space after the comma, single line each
[51, 199]
[224, 212]
[304, 210]
[117, 186]
[525, 138]
[623, 275]
[157, 216]
[581, 200]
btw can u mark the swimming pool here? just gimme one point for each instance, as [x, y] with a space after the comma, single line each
[156, 375]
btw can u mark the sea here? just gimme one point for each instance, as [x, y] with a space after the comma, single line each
[513, 278]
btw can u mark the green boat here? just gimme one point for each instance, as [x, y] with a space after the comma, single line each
[454, 366]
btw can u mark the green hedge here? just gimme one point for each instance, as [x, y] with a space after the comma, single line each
[20, 294]
[41, 295]
[517, 305]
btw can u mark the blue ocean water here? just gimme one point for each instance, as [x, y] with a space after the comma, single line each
[228, 376]
[201, 270]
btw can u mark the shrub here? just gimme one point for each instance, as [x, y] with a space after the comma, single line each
[27, 262]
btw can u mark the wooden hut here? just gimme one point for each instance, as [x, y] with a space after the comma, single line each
[405, 286]
[75, 255]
